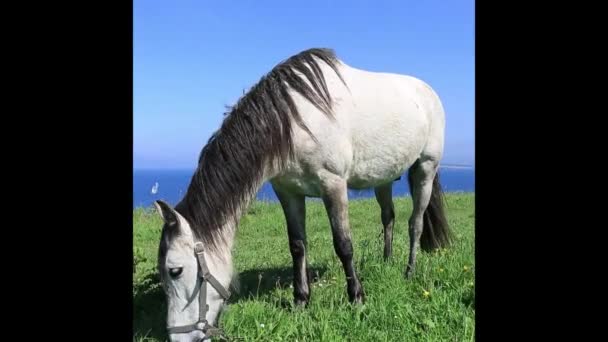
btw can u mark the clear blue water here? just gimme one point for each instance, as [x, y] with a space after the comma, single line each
[172, 185]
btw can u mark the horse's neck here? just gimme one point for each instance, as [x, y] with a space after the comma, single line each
[231, 225]
[247, 200]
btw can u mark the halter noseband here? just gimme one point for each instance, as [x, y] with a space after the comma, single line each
[202, 324]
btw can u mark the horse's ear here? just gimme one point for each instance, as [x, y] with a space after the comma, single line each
[168, 214]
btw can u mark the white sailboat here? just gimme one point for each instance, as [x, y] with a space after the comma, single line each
[154, 188]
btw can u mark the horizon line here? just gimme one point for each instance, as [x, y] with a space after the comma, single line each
[441, 166]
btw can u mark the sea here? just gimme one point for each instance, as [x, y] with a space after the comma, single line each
[170, 185]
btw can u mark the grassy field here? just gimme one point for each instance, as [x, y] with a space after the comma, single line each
[438, 304]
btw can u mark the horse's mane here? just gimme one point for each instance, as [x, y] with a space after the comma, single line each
[258, 130]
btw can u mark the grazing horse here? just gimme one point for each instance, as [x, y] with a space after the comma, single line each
[313, 126]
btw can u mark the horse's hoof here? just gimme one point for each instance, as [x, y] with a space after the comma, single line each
[358, 298]
[409, 273]
[301, 303]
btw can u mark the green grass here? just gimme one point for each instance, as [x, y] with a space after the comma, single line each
[396, 309]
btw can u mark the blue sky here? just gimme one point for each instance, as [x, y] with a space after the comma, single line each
[192, 58]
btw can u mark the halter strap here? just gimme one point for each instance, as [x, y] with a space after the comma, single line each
[205, 276]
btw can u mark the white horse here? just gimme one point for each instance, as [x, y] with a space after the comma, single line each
[314, 127]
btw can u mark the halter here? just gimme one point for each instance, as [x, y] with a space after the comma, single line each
[202, 324]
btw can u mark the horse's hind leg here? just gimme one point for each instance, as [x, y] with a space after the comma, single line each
[334, 194]
[427, 225]
[384, 196]
[294, 208]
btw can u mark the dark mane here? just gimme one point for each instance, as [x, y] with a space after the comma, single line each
[258, 130]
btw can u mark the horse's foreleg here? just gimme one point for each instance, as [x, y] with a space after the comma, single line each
[294, 207]
[334, 194]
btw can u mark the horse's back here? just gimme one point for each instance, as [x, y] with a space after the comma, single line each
[383, 123]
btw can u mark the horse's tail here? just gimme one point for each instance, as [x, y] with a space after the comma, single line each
[436, 230]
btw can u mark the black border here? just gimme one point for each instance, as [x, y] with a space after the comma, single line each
[71, 160]
[528, 229]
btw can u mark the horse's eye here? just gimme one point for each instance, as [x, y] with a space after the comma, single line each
[175, 272]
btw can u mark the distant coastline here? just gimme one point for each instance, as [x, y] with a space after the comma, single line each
[192, 169]
[457, 166]
[171, 184]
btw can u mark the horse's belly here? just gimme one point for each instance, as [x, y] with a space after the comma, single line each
[381, 155]
[298, 182]
[374, 171]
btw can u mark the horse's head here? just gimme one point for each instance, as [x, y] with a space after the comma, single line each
[185, 270]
